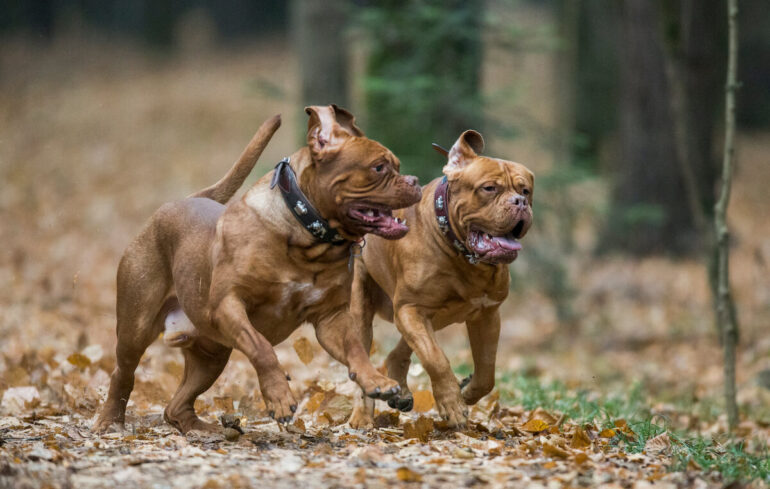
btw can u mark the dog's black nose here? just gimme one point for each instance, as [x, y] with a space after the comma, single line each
[519, 201]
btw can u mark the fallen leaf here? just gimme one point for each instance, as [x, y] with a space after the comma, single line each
[224, 404]
[386, 419]
[458, 452]
[580, 439]
[658, 444]
[16, 400]
[314, 402]
[336, 408]
[304, 349]
[544, 415]
[423, 401]
[607, 433]
[79, 360]
[581, 458]
[405, 474]
[420, 429]
[535, 425]
[550, 450]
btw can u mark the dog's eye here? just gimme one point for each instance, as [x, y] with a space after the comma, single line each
[489, 188]
[525, 191]
[379, 168]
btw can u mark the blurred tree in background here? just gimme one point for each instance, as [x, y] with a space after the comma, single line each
[422, 76]
[319, 30]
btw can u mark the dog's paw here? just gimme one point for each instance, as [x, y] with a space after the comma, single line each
[379, 386]
[454, 411]
[107, 425]
[403, 402]
[466, 381]
[279, 400]
[361, 419]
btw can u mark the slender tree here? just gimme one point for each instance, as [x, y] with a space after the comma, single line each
[727, 323]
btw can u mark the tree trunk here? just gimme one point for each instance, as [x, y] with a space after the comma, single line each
[319, 30]
[646, 215]
[725, 307]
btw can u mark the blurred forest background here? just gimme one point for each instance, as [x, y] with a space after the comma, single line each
[109, 108]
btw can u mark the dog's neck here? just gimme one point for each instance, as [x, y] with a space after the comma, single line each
[428, 220]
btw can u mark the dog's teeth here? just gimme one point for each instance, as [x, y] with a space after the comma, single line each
[404, 222]
[370, 213]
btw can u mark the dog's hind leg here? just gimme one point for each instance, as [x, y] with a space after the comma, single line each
[139, 303]
[203, 363]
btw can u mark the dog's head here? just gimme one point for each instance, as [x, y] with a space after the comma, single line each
[491, 199]
[358, 182]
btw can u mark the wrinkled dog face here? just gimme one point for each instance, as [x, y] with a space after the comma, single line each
[361, 175]
[491, 199]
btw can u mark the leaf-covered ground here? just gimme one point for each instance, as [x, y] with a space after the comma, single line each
[538, 435]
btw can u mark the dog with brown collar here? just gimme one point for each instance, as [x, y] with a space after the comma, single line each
[452, 267]
[243, 276]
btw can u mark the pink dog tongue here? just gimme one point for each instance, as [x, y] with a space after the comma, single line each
[507, 243]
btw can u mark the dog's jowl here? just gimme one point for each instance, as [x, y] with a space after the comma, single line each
[243, 276]
[452, 267]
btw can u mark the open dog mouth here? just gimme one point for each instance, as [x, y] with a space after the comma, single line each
[379, 220]
[496, 249]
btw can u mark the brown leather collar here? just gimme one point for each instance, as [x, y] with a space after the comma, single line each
[441, 206]
[301, 207]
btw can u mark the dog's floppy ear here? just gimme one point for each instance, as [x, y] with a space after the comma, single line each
[347, 121]
[324, 134]
[464, 150]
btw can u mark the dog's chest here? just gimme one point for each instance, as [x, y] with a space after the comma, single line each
[471, 303]
[307, 298]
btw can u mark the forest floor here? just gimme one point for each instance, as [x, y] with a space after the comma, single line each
[94, 139]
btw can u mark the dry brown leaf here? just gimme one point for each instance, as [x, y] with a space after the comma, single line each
[458, 452]
[386, 419]
[405, 474]
[423, 401]
[337, 408]
[79, 360]
[224, 404]
[304, 349]
[581, 458]
[550, 450]
[420, 429]
[607, 433]
[658, 444]
[315, 402]
[535, 425]
[580, 439]
[541, 413]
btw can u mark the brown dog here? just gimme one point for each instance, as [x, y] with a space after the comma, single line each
[245, 276]
[451, 267]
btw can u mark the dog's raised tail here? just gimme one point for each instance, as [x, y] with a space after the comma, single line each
[224, 189]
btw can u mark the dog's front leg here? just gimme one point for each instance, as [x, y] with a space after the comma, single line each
[417, 330]
[340, 337]
[483, 333]
[232, 321]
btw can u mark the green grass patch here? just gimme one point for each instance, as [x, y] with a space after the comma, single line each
[732, 458]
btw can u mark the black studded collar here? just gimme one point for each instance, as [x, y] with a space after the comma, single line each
[301, 207]
[441, 207]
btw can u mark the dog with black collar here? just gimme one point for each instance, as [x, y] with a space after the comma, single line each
[218, 277]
